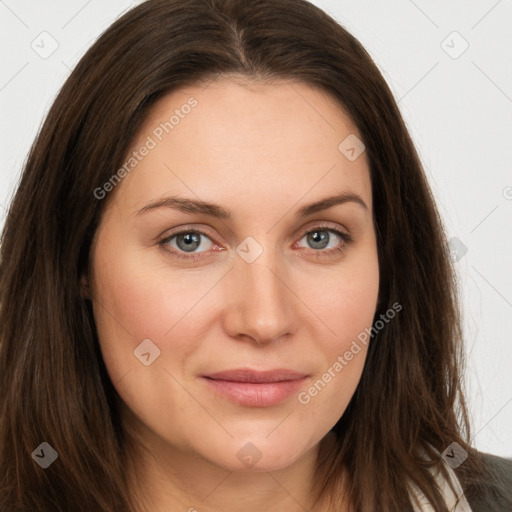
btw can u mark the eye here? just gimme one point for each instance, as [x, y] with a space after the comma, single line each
[326, 240]
[323, 240]
[185, 243]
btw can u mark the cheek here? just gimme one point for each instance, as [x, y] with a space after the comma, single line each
[344, 299]
[349, 314]
[136, 301]
[345, 304]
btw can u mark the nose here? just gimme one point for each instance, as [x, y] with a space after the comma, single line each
[260, 305]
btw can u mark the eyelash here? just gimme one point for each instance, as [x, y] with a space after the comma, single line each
[347, 239]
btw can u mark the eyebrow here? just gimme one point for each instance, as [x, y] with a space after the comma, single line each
[195, 206]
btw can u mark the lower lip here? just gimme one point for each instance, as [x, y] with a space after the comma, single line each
[253, 394]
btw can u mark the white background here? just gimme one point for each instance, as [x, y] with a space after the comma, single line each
[459, 112]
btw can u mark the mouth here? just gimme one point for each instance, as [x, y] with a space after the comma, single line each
[252, 388]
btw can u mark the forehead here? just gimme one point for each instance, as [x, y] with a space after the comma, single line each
[238, 139]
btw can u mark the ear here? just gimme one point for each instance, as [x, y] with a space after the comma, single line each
[85, 290]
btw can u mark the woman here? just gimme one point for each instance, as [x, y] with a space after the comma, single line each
[225, 283]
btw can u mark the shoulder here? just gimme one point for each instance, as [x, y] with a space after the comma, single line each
[489, 492]
[495, 491]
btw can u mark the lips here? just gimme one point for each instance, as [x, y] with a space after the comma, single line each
[253, 388]
[243, 375]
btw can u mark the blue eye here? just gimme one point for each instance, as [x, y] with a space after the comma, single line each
[321, 238]
[188, 241]
[185, 242]
[322, 243]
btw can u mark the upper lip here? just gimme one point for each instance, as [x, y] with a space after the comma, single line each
[257, 376]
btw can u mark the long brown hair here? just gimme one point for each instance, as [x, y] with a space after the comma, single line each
[54, 387]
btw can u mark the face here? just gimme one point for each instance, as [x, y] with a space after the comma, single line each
[226, 305]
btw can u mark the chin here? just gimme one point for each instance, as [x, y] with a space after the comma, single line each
[260, 453]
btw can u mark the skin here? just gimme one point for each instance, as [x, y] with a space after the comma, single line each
[260, 151]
